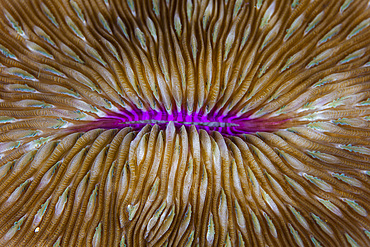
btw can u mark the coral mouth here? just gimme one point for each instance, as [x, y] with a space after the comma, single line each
[226, 125]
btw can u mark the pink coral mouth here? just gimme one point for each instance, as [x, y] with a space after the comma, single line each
[224, 124]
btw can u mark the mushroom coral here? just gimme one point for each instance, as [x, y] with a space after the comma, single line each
[184, 123]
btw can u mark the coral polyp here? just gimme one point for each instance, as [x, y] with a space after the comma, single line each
[185, 123]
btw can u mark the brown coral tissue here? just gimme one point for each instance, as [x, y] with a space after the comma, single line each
[185, 123]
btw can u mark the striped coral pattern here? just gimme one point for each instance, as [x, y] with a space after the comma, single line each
[185, 123]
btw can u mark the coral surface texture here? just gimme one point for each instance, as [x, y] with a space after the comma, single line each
[185, 123]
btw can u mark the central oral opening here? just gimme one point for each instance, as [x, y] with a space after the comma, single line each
[230, 124]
